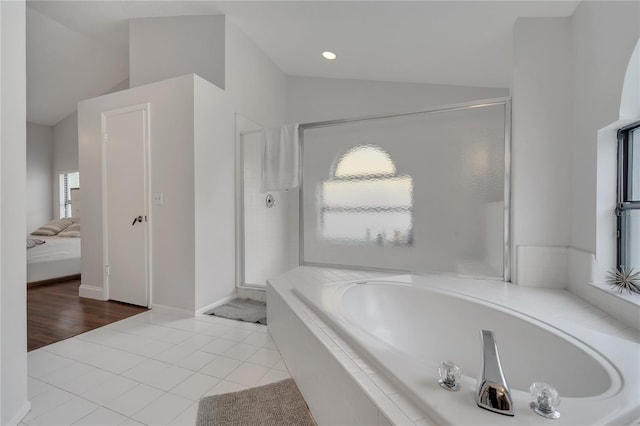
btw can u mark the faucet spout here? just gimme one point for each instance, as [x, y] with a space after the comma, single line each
[493, 393]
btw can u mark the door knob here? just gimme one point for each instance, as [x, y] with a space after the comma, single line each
[136, 219]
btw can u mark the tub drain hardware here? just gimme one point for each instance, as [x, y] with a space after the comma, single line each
[449, 376]
[545, 400]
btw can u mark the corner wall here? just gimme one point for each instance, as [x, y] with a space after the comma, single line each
[39, 175]
[13, 275]
[65, 148]
[65, 155]
[257, 90]
[167, 47]
[540, 158]
[213, 175]
[172, 172]
[256, 87]
[603, 35]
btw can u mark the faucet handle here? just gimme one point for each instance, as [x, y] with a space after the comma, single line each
[449, 376]
[545, 400]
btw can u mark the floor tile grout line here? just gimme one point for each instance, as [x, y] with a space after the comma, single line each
[249, 332]
[116, 375]
[154, 359]
[138, 382]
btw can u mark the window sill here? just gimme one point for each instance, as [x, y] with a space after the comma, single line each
[633, 298]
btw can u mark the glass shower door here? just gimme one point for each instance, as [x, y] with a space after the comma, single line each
[266, 248]
[419, 192]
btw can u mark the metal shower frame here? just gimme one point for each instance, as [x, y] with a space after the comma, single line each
[505, 102]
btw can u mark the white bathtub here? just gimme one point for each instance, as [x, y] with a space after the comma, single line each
[407, 326]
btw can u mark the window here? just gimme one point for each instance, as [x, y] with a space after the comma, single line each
[68, 181]
[628, 208]
[366, 200]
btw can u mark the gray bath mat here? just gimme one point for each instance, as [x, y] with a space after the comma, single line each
[243, 310]
[275, 404]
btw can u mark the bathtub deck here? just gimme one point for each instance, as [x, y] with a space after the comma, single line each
[379, 400]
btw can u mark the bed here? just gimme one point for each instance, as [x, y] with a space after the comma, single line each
[57, 259]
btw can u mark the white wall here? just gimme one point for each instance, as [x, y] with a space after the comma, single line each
[568, 79]
[630, 99]
[256, 86]
[65, 148]
[166, 47]
[213, 176]
[257, 90]
[191, 165]
[13, 327]
[39, 175]
[603, 35]
[541, 166]
[65, 143]
[65, 155]
[172, 251]
[313, 99]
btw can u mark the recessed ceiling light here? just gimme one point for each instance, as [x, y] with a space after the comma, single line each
[329, 55]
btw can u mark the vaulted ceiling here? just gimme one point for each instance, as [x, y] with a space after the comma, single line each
[79, 49]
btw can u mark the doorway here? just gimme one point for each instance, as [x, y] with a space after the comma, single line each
[267, 222]
[125, 177]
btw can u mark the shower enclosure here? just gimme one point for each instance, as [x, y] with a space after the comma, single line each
[264, 220]
[420, 192]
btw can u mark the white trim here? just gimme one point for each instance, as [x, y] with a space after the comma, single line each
[179, 311]
[2, 143]
[92, 292]
[23, 411]
[253, 288]
[170, 310]
[243, 126]
[220, 302]
[633, 298]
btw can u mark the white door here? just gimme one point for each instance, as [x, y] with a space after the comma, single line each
[125, 164]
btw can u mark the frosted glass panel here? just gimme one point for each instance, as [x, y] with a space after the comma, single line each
[366, 201]
[422, 192]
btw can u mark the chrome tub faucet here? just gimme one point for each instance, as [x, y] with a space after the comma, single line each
[493, 393]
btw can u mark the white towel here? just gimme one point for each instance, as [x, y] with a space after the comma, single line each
[280, 158]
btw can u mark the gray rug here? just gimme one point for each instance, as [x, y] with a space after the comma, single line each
[243, 310]
[275, 404]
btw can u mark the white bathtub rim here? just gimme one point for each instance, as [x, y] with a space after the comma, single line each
[601, 358]
[629, 415]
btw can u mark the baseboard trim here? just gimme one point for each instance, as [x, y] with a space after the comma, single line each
[54, 280]
[220, 302]
[250, 288]
[23, 411]
[179, 311]
[170, 310]
[91, 292]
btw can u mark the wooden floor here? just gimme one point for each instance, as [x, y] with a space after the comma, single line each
[55, 312]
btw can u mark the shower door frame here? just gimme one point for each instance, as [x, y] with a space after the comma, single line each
[504, 101]
[244, 126]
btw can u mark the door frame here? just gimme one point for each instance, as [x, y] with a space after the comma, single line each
[243, 126]
[146, 111]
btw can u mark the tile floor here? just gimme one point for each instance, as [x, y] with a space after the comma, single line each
[149, 369]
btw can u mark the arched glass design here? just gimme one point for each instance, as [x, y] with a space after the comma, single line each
[423, 192]
[366, 201]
